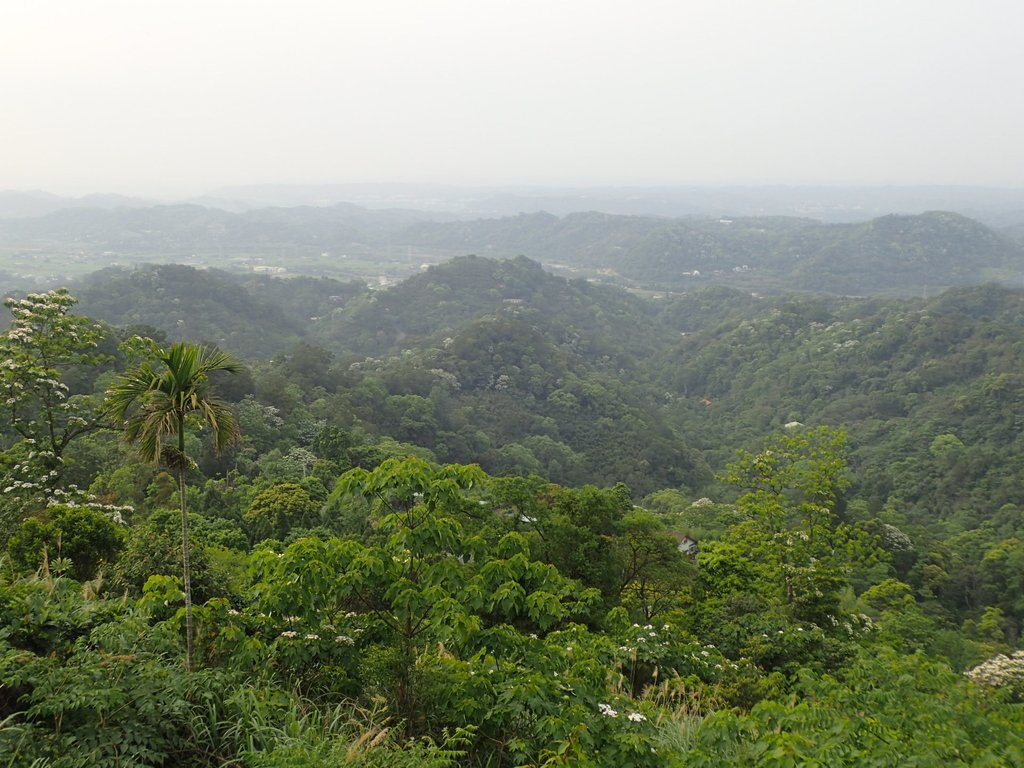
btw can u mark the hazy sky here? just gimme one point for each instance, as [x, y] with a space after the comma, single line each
[179, 97]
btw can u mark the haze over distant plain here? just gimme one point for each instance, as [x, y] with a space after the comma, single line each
[178, 98]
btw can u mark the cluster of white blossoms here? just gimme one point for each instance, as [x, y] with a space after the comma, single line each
[291, 634]
[999, 671]
[608, 711]
[327, 631]
[645, 636]
[649, 640]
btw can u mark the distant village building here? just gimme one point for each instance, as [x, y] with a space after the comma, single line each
[687, 545]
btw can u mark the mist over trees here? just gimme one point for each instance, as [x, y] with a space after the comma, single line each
[771, 249]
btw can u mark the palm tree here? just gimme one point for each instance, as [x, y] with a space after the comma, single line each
[153, 403]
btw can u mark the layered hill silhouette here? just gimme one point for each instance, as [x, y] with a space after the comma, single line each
[891, 255]
[887, 255]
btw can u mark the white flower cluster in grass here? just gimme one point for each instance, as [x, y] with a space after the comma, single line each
[999, 671]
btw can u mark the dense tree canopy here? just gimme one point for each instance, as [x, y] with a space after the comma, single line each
[790, 536]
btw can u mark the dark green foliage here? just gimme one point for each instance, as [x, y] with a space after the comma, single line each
[516, 369]
[88, 538]
[596, 321]
[885, 710]
[275, 511]
[251, 316]
[187, 303]
[154, 547]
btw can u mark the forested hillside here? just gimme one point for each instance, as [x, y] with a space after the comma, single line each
[494, 517]
[503, 363]
[254, 315]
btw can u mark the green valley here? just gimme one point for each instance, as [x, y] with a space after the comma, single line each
[493, 516]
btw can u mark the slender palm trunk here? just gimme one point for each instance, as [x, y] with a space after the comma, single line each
[186, 565]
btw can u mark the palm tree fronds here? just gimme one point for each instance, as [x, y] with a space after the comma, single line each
[153, 403]
[149, 402]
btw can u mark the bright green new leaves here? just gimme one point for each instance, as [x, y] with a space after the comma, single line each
[791, 487]
[78, 540]
[278, 509]
[427, 577]
[427, 585]
[794, 481]
[886, 711]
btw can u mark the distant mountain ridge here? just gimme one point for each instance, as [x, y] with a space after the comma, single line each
[896, 254]
[888, 255]
[447, 297]
[16, 204]
[998, 207]
[168, 227]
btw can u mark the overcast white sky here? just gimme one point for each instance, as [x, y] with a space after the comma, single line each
[179, 97]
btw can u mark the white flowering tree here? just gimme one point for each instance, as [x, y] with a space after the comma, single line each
[1002, 671]
[41, 416]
